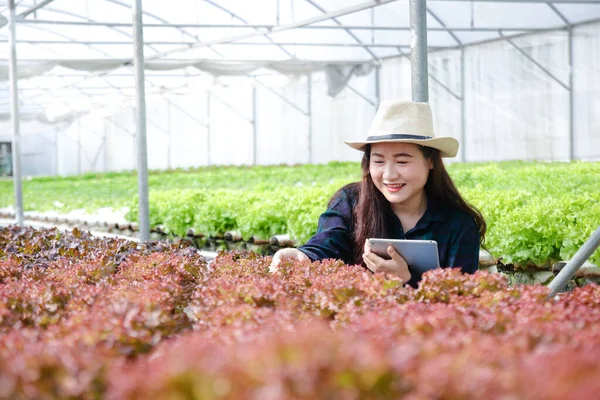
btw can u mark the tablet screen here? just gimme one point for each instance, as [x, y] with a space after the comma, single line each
[420, 255]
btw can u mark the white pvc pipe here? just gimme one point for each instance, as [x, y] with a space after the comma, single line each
[418, 50]
[14, 102]
[142, 148]
[575, 263]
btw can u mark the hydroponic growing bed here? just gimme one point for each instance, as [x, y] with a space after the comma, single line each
[82, 317]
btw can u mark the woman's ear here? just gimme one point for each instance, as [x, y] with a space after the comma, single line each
[430, 162]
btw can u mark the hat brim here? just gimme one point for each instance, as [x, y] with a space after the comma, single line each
[448, 146]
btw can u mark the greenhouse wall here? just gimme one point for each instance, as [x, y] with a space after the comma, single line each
[178, 128]
[345, 117]
[513, 110]
[38, 146]
[586, 119]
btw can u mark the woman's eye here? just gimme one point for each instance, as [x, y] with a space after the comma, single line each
[402, 162]
[378, 162]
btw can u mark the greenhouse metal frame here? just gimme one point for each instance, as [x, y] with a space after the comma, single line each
[54, 17]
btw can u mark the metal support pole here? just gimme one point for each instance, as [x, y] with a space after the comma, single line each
[575, 263]
[283, 98]
[169, 133]
[105, 155]
[232, 108]
[142, 148]
[36, 7]
[133, 145]
[571, 98]
[463, 107]
[55, 151]
[418, 50]
[310, 120]
[208, 128]
[569, 86]
[254, 127]
[79, 151]
[534, 61]
[314, 26]
[362, 96]
[94, 161]
[377, 86]
[14, 102]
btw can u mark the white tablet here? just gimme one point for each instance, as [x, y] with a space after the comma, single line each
[420, 255]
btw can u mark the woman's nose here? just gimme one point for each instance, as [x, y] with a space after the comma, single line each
[389, 172]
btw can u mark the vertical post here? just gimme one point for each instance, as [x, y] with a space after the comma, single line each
[55, 151]
[79, 156]
[418, 50]
[105, 148]
[169, 132]
[208, 128]
[142, 149]
[14, 102]
[571, 98]
[310, 119]
[3, 157]
[463, 107]
[134, 156]
[254, 127]
[377, 88]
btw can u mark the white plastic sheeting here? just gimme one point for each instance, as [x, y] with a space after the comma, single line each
[76, 60]
[178, 129]
[513, 110]
[38, 146]
[524, 112]
[96, 36]
[586, 119]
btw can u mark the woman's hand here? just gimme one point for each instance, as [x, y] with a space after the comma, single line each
[286, 254]
[396, 265]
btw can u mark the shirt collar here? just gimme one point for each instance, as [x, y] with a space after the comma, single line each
[435, 210]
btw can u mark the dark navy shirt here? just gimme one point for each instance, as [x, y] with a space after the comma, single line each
[455, 232]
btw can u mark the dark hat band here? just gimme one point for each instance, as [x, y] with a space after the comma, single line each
[395, 136]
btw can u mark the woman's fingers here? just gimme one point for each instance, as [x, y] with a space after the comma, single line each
[395, 256]
[374, 262]
[274, 266]
[278, 257]
[367, 247]
[286, 254]
[397, 265]
[372, 265]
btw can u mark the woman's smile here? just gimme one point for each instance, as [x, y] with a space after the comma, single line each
[394, 187]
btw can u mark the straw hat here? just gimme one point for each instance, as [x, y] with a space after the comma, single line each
[406, 122]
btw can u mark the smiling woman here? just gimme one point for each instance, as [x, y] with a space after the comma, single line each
[405, 193]
[400, 172]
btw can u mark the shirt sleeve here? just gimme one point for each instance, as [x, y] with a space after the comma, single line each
[333, 238]
[464, 249]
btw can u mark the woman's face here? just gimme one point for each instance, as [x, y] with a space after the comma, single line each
[399, 171]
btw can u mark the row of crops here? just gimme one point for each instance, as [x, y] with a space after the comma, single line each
[83, 317]
[536, 212]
